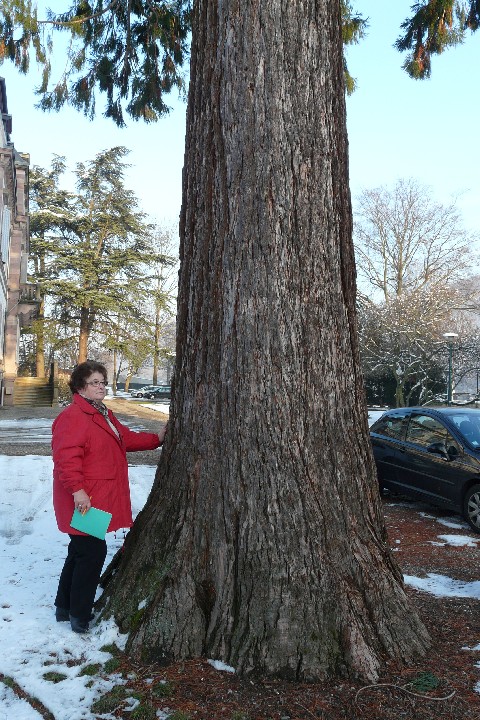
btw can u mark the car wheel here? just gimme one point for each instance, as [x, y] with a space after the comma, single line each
[471, 507]
[139, 395]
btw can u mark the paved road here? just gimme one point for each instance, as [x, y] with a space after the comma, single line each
[27, 430]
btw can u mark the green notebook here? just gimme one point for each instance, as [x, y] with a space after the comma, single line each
[95, 522]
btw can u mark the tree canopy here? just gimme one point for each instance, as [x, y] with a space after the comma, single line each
[414, 258]
[433, 27]
[133, 52]
[92, 248]
[136, 53]
[405, 241]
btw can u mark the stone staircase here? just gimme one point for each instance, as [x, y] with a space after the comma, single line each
[32, 392]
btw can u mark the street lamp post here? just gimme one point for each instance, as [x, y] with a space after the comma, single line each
[450, 337]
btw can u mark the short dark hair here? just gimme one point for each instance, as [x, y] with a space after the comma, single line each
[83, 371]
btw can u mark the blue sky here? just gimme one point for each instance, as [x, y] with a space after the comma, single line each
[398, 127]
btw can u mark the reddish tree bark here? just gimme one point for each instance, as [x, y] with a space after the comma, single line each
[262, 543]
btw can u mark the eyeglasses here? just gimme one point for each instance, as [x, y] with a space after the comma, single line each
[97, 383]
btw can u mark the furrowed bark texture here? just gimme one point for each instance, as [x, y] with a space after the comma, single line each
[262, 543]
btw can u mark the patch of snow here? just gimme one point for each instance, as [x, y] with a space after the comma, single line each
[442, 586]
[218, 665]
[458, 540]
[32, 552]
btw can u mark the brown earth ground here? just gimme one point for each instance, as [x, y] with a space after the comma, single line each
[440, 685]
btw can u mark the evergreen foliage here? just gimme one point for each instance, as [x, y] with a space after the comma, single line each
[434, 26]
[135, 53]
[354, 28]
[92, 249]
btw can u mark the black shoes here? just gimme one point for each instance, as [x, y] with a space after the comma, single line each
[78, 626]
[61, 615]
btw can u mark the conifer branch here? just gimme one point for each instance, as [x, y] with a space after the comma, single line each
[78, 21]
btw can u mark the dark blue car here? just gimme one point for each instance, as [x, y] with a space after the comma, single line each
[431, 454]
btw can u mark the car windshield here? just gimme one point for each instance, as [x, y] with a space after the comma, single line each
[468, 425]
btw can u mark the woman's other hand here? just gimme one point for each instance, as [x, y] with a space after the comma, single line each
[162, 433]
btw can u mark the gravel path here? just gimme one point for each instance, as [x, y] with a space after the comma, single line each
[27, 430]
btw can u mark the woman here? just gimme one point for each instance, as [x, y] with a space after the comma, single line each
[90, 469]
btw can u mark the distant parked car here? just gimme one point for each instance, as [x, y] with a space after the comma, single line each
[162, 392]
[432, 454]
[142, 392]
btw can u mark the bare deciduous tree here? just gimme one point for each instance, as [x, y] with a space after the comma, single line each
[405, 241]
[402, 338]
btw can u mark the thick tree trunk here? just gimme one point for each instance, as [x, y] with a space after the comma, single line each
[40, 322]
[87, 322]
[114, 373]
[156, 347]
[262, 542]
[40, 340]
[83, 335]
[399, 394]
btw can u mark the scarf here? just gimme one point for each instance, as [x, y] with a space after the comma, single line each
[103, 410]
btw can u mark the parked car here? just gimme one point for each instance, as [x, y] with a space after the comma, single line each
[142, 392]
[162, 392]
[432, 454]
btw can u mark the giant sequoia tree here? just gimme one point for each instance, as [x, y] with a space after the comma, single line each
[262, 542]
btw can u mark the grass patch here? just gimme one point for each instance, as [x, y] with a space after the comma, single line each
[112, 649]
[179, 715]
[112, 665]
[136, 618]
[144, 711]
[54, 677]
[424, 682]
[110, 701]
[164, 688]
[91, 669]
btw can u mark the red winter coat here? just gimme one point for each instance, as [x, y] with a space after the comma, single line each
[88, 455]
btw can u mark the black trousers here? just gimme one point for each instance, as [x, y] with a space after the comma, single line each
[80, 575]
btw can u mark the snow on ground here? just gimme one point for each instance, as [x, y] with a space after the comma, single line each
[13, 431]
[442, 586]
[457, 540]
[158, 406]
[452, 523]
[32, 552]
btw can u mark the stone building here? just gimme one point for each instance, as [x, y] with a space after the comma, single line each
[17, 297]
